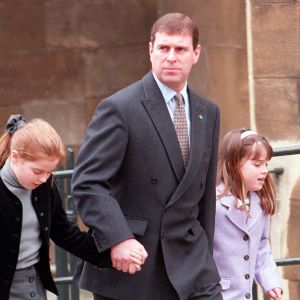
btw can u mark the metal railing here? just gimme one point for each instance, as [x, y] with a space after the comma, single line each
[65, 262]
[291, 261]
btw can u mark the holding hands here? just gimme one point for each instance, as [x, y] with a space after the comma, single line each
[128, 256]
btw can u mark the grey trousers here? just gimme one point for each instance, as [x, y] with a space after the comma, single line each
[27, 285]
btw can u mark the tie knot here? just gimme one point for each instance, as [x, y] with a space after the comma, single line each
[179, 100]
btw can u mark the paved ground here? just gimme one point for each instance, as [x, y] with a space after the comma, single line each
[84, 295]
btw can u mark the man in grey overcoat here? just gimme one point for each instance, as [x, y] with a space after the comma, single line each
[136, 191]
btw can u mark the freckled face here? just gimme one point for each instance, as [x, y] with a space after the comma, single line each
[254, 172]
[31, 174]
[172, 57]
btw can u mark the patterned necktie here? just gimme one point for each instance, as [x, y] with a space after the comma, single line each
[181, 128]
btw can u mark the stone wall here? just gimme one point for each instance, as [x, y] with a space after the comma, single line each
[274, 30]
[66, 55]
[59, 58]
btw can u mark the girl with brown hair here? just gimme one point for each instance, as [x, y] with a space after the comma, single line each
[245, 202]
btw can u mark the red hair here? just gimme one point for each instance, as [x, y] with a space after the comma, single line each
[36, 140]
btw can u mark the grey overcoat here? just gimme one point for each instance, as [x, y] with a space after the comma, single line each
[130, 181]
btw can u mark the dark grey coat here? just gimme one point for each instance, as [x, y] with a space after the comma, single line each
[130, 181]
[53, 224]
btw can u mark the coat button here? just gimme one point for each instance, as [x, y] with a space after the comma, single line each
[32, 294]
[154, 180]
[35, 198]
[41, 214]
[246, 257]
[247, 276]
[31, 279]
[246, 237]
[248, 296]
[162, 235]
[46, 228]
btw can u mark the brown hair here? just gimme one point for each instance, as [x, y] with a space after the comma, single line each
[232, 150]
[172, 23]
[36, 140]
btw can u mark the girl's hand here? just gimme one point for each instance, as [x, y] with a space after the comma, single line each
[128, 256]
[275, 294]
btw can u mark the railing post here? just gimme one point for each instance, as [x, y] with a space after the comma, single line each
[72, 216]
[65, 263]
[61, 260]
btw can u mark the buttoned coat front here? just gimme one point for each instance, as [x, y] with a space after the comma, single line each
[130, 181]
[53, 224]
[242, 250]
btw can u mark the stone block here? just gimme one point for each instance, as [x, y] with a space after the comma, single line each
[94, 23]
[22, 25]
[294, 290]
[276, 40]
[277, 108]
[40, 75]
[221, 75]
[5, 112]
[90, 107]
[293, 235]
[221, 22]
[266, 2]
[111, 69]
[67, 117]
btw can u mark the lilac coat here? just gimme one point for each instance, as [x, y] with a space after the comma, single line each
[241, 249]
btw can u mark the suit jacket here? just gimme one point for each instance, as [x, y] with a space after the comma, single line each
[130, 181]
[241, 250]
[53, 224]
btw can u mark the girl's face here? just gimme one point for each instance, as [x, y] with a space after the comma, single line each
[254, 171]
[31, 174]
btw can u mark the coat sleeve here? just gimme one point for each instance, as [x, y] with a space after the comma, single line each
[97, 165]
[207, 205]
[266, 272]
[68, 236]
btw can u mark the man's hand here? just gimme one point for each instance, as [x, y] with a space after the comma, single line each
[128, 256]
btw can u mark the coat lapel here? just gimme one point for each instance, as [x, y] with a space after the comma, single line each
[158, 112]
[197, 146]
[198, 139]
[238, 217]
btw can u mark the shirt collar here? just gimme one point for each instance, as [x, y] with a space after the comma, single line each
[168, 93]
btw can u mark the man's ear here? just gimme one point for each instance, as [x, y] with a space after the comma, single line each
[150, 48]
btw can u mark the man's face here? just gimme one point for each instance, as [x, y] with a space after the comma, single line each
[172, 57]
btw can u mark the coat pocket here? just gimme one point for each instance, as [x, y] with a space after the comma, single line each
[225, 283]
[137, 226]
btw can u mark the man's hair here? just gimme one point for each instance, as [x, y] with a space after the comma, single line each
[173, 23]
